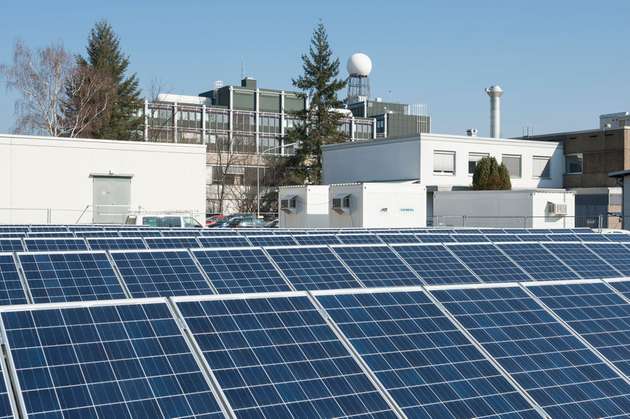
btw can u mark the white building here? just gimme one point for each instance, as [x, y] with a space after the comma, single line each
[443, 162]
[303, 206]
[69, 180]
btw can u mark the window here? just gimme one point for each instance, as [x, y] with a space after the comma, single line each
[473, 159]
[541, 167]
[574, 163]
[513, 164]
[444, 162]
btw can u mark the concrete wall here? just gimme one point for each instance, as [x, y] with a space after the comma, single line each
[518, 209]
[39, 173]
[384, 205]
[312, 207]
[412, 158]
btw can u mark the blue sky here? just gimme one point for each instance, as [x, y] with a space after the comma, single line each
[561, 63]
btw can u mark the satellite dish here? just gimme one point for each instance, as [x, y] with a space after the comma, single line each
[359, 64]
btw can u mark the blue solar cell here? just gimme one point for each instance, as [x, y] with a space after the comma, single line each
[313, 268]
[254, 232]
[48, 228]
[84, 227]
[224, 241]
[582, 230]
[94, 234]
[278, 240]
[316, 239]
[466, 231]
[140, 233]
[160, 273]
[181, 232]
[547, 231]
[587, 264]
[11, 288]
[488, 263]
[623, 287]
[70, 276]
[435, 264]
[240, 270]
[115, 361]
[537, 261]
[376, 266]
[120, 243]
[427, 365]
[435, 238]
[492, 231]
[563, 237]
[277, 357]
[11, 245]
[516, 230]
[616, 255]
[7, 405]
[534, 237]
[592, 237]
[12, 235]
[397, 238]
[213, 232]
[595, 312]
[469, 238]
[624, 238]
[171, 242]
[51, 234]
[51, 245]
[505, 237]
[358, 238]
[557, 370]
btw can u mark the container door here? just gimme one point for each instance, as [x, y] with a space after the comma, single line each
[111, 199]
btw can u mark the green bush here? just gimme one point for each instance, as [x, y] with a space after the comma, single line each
[491, 176]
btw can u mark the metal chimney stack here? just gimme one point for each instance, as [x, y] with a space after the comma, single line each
[495, 92]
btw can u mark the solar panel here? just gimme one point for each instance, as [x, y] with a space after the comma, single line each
[563, 238]
[140, 233]
[615, 254]
[376, 265]
[48, 244]
[120, 243]
[581, 260]
[585, 237]
[240, 270]
[70, 276]
[13, 229]
[52, 234]
[263, 241]
[595, 312]
[469, 238]
[622, 286]
[91, 233]
[546, 231]
[501, 238]
[427, 365]
[160, 273]
[312, 268]
[277, 357]
[492, 231]
[11, 291]
[84, 227]
[552, 365]
[466, 231]
[435, 264]
[516, 230]
[48, 228]
[488, 263]
[224, 241]
[537, 261]
[171, 242]
[435, 238]
[625, 238]
[11, 245]
[12, 235]
[533, 237]
[248, 231]
[314, 239]
[398, 238]
[181, 232]
[358, 238]
[114, 361]
[218, 232]
[8, 408]
[582, 230]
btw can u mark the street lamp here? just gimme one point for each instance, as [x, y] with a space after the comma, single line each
[265, 151]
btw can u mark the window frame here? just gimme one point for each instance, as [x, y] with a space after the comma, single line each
[548, 158]
[453, 154]
[476, 161]
[520, 164]
[566, 163]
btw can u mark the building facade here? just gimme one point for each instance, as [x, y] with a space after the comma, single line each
[589, 157]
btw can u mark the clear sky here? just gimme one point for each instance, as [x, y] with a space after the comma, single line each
[561, 63]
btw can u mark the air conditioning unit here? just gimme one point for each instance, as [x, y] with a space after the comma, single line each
[557, 209]
[341, 204]
[288, 204]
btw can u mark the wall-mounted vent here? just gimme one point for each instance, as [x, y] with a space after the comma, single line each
[557, 209]
[289, 204]
[341, 203]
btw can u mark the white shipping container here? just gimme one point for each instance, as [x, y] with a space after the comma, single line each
[377, 205]
[303, 206]
[551, 208]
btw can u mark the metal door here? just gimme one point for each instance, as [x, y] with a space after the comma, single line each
[111, 199]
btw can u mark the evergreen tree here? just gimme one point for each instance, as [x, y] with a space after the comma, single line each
[105, 58]
[318, 123]
[489, 175]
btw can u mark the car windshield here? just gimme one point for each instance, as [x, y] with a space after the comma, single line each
[191, 222]
[168, 221]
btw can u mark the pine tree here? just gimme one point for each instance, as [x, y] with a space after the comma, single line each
[489, 175]
[105, 57]
[319, 121]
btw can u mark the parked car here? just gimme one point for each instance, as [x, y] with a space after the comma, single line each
[213, 219]
[241, 221]
[272, 224]
[163, 220]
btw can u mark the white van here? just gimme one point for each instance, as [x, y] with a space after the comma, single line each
[163, 220]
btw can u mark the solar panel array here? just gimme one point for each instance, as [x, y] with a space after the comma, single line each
[446, 323]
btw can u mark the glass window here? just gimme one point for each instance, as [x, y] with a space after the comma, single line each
[513, 164]
[541, 167]
[191, 222]
[473, 159]
[574, 163]
[444, 162]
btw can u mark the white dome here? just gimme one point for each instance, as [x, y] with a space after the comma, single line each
[359, 64]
